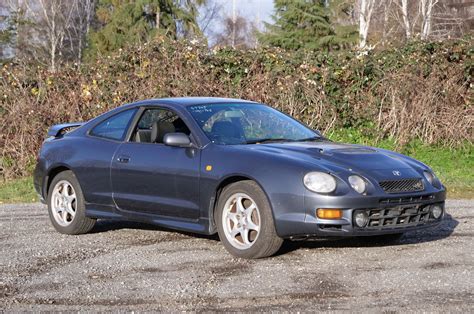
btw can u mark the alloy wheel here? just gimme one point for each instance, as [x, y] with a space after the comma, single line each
[63, 203]
[241, 221]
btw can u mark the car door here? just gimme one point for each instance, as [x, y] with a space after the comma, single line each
[152, 178]
[94, 157]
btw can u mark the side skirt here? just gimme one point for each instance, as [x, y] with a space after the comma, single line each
[200, 226]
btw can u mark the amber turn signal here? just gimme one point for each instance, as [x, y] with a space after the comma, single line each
[325, 213]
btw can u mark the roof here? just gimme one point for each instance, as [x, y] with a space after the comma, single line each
[187, 101]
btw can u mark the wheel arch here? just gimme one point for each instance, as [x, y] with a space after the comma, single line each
[224, 182]
[53, 172]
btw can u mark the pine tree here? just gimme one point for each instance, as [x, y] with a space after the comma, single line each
[128, 22]
[343, 21]
[304, 24]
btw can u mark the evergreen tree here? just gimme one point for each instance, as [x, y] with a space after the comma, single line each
[344, 23]
[125, 22]
[304, 24]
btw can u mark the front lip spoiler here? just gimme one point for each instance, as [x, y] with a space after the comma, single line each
[355, 232]
[402, 229]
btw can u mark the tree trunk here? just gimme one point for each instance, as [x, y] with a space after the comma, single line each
[157, 21]
[53, 39]
[234, 20]
[386, 17]
[365, 14]
[79, 49]
[52, 65]
[406, 20]
[426, 8]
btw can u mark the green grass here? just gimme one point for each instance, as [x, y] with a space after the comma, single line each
[18, 191]
[455, 167]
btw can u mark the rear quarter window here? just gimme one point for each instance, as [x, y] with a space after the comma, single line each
[115, 127]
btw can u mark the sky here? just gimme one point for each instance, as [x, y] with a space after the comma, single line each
[252, 9]
[255, 11]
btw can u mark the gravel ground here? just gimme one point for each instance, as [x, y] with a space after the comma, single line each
[130, 266]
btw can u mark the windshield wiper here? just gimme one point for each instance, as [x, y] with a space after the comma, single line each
[281, 140]
[311, 139]
[269, 140]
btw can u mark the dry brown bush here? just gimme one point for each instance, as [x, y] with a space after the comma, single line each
[418, 92]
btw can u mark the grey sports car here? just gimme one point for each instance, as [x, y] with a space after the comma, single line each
[242, 169]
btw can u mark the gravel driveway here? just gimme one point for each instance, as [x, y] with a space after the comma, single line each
[130, 266]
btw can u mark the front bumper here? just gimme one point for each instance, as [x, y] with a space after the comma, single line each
[388, 214]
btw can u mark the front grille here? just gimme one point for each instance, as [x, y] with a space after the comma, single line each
[407, 199]
[399, 216]
[402, 186]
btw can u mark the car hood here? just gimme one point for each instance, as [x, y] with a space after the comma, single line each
[355, 158]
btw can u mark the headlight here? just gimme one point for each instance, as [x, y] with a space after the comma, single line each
[432, 179]
[320, 182]
[357, 183]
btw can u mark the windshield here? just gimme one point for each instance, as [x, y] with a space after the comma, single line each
[241, 123]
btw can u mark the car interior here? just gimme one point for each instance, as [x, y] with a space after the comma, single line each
[154, 124]
[227, 130]
[225, 126]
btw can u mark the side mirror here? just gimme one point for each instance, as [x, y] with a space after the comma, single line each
[177, 140]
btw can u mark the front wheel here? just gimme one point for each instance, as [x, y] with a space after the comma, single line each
[245, 222]
[66, 205]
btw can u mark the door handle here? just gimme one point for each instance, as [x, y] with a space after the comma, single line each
[123, 159]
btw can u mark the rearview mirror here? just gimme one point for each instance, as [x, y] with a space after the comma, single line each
[233, 114]
[177, 140]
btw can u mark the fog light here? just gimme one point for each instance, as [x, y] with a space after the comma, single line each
[329, 213]
[436, 211]
[361, 219]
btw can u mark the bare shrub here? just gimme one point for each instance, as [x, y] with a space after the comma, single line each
[422, 91]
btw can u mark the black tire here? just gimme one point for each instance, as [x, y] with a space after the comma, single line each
[267, 242]
[80, 223]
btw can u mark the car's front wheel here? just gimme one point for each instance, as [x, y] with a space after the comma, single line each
[245, 222]
[66, 205]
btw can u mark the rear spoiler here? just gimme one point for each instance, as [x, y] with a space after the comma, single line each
[59, 130]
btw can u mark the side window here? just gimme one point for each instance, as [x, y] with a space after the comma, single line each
[155, 123]
[114, 127]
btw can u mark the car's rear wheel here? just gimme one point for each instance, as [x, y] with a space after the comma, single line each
[245, 222]
[66, 205]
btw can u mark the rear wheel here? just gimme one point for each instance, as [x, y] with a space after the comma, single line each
[245, 222]
[66, 205]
